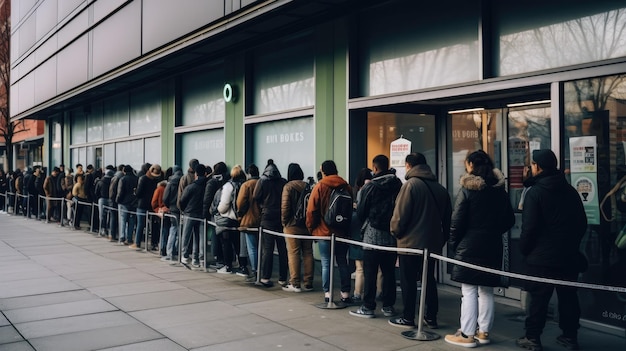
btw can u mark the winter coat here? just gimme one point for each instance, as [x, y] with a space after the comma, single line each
[376, 206]
[210, 189]
[268, 194]
[113, 187]
[226, 215]
[421, 217]
[145, 189]
[249, 210]
[126, 191]
[289, 204]
[103, 185]
[191, 199]
[170, 195]
[157, 203]
[553, 223]
[482, 212]
[318, 205]
[184, 181]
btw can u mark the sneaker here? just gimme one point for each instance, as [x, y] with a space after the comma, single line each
[356, 298]
[307, 288]
[482, 338]
[431, 323]
[267, 284]
[134, 247]
[363, 312]
[282, 282]
[388, 311]
[568, 343]
[348, 301]
[184, 260]
[166, 259]
[529, 343]
[291, 288]
[195, 263]
[460, 339]
[225, 270]
[402, 323]
[242, 271]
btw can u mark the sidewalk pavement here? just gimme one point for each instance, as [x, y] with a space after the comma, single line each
[62, 289]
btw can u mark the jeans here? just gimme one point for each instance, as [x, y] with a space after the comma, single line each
[127, 222]
[477, 307]
[141, 225]
[540, 293]
[300, 251]
[165, 230]
[410, 273]
[191, 237]
[172, 240]
[386, 261]
[252, 242]
[113, 221]
[341, 251]
[104, 213]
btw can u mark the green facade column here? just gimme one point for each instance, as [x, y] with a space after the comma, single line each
[331, 94]
[168, 121]
[234, 129]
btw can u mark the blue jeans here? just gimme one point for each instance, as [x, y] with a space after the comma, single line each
[341, 251]
[114, 225]
[103, 213]
[172, 240]
[127, 222]
[252, 242]
[191, 235]
[141, 225]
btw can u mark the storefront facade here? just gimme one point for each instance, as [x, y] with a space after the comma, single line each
[305, 81]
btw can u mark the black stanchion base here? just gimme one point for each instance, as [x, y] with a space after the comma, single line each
[423, 336]
[330, 305]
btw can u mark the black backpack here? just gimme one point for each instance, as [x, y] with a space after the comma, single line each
[303, 201]
[339, 213]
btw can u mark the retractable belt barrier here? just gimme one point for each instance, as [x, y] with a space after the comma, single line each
[419, 334]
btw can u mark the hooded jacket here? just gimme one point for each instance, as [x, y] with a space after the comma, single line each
[126, 190]
[318, 205]
[421, 217]
[249, 210]
[482, 213]
[145, 189]
[375, 208]
[191, 200]
[113, 186]
[102, 186]
[553, 223]
[289, 204]
[170, 195]
[268, 194]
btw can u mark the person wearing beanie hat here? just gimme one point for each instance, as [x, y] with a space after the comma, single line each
[191, 206]
[545, 159]
[553, 225]
[104, 201]
[219, 177]
[187, 179]
[146, 185]
[127, 204]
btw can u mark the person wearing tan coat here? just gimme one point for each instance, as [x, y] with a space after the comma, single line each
[250, 214]
[298, 250]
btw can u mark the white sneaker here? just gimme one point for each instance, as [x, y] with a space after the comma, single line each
[291, 288]
[184, 260]
[225, 270]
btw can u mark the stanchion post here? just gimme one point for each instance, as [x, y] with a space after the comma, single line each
[91, 219]
[204, 247]
[421, 334]
[145, 233]
[259, 247]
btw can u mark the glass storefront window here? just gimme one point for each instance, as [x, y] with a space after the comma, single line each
[56, 154]
[206, 146]
[130, 153]
[203, 97]
[407, 50]
[284, 77]
[79, 127]
[108, 157]
[383, 128]
[531, 41]
[153, 151]
[287, 141]
[94, 123]
[594, 120]
[115, 117]
[145, 111]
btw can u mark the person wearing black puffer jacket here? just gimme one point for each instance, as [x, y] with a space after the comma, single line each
[481, 214]
[170, 199]
[553, 224]
[374, 210]
[191, 206]
[219, 176]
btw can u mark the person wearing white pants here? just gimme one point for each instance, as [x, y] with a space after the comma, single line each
[482, 212]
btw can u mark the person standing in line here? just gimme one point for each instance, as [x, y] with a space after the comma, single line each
[161, 223]
[250, 214]
[356, 226]
[375, 209]
[191, 206]
[268, 194]
[52, 191]
[127, 204]
[318, 204]
[170, 199]
[298, 251]
[102, 193]
[79, 195]
[146, 185]
[216, 179]
[421, 220]
[114, 222]
[482, 213]
[553, 225]
[226, 218]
